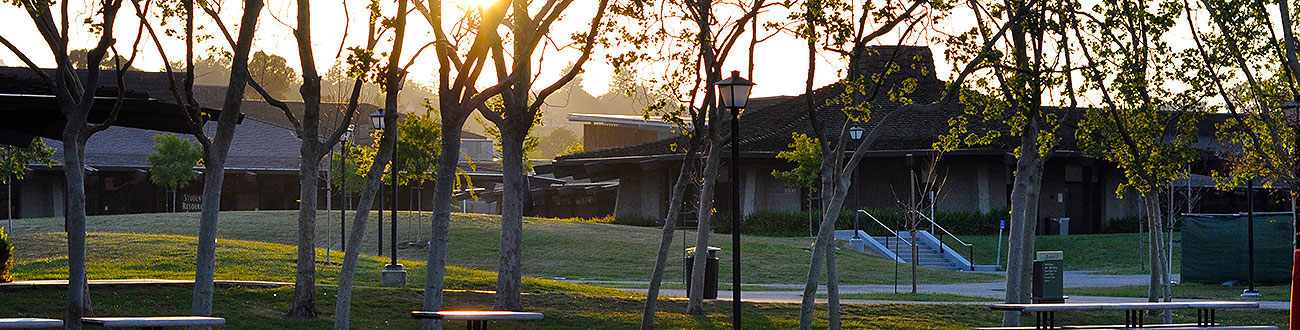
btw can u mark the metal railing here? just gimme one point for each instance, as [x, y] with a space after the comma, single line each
[970, 254]
[897, 237]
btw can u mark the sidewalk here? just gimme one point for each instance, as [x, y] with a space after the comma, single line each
[996, 290]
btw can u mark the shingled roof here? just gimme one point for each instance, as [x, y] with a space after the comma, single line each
[767, 129]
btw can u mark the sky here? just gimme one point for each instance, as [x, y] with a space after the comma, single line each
[780, 62]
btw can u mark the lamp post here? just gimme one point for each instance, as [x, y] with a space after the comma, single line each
[377, 124]
[1250, 241]
[393, 274]
[345, 143]
[855, 133]
[733, 92]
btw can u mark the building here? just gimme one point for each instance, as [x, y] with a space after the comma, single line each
[261, 170]
[980, 179]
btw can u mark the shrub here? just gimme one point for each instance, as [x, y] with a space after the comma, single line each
[6, 258]
[604, 219]
[795, 224]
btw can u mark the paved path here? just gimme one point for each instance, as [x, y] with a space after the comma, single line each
[1073, 279]
[218, 283]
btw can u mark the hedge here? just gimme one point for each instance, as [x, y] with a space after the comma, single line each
[795, 224]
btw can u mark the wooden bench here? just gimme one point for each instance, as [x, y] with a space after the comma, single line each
[1133, 313]
[154, 322]
[29, 323]
[477, 320]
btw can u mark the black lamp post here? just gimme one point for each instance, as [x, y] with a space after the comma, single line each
[344, 144]
[734, 94]
[377, 124]
[393, 274]
[855, 133]
[1250, 241]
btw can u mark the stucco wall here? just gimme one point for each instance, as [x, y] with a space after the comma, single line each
[641, 195]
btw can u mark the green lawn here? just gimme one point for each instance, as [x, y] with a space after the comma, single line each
[1104, 253]
[567, 306]
[1191, 291]
[552, 249]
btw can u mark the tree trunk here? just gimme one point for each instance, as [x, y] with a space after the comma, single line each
[1024, 213]
[75, 215]
[684, 179]
[304, 291]
[825, 235]
[215, 162]
[311, 151]
[1155, 251]
[695, 304]
[436, 272]
[832, 289]
[915, 251]
[510, 267]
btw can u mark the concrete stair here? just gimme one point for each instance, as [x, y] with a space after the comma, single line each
[927, 256]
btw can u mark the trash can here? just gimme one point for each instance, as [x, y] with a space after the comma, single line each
[710, 272]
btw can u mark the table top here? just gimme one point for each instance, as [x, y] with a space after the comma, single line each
[28, 322]
[1126, 306]
[154, 321]
[478, 315]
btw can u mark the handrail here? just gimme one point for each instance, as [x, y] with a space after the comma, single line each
[882, 224]
[969, 247]
[945, 230]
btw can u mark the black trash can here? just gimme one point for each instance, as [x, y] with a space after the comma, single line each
[710, 272]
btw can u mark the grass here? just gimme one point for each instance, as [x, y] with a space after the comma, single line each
[933, 297]
[1190, 291]
[1103, 253]
[552, 248]
[681, 286]
[567, 306]
[171, 257]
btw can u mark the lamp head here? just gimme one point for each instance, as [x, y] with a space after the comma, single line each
[733, 92]
[377, 119]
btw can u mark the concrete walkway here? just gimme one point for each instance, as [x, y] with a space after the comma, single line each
[995, 290]
[218, 283]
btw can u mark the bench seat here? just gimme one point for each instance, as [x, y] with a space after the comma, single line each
[154, 321]
[29, 323]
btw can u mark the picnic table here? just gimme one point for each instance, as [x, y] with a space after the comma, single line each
[477, 320]
[29, 323]
[154, 322]
[1133, 312]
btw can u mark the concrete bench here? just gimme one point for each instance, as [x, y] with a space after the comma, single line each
[154, 322]
[477, 320]
[29, 323]
[1133, 313]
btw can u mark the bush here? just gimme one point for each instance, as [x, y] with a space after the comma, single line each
[795, 224]
[6, 258]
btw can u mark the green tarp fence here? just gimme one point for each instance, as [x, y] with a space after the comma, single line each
[1215, 248]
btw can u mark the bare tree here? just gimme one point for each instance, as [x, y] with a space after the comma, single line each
[75, 95]
[317, 139]
[520, 108]
[391, 79]
[458, 98]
